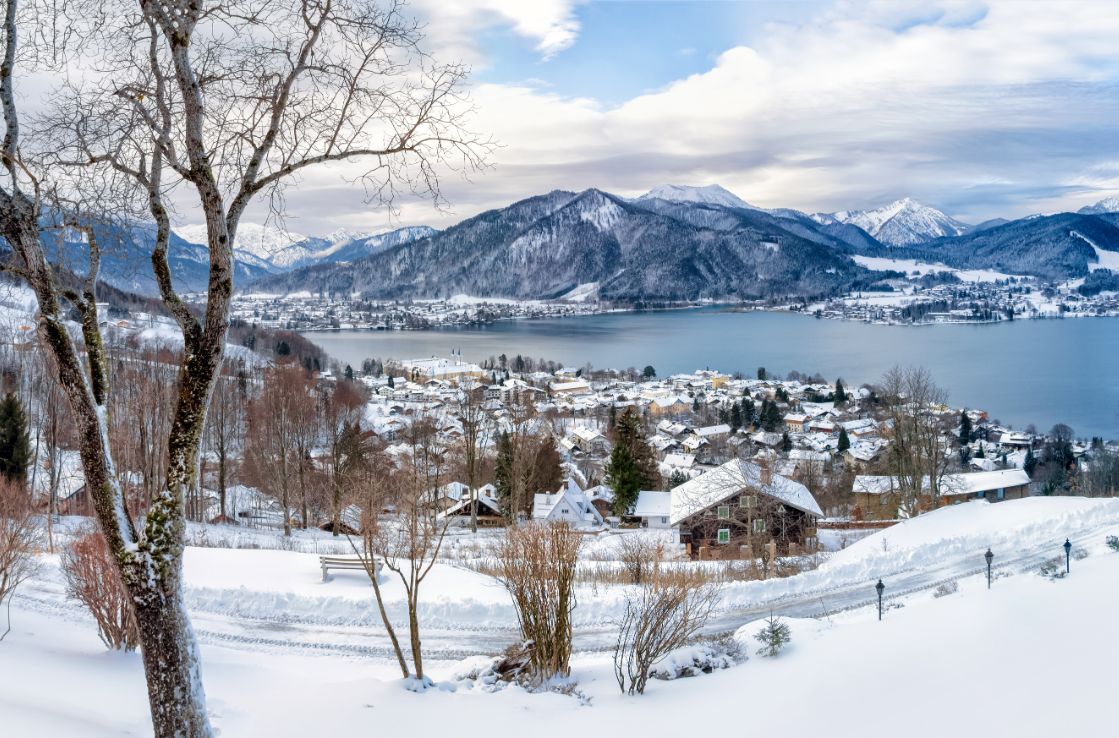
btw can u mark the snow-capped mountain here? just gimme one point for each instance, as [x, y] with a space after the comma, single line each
[1106, 205]
[708, 195]
[278, 250]
[904, 222]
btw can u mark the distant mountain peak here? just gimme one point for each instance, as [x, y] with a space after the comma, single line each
[1106, 205]
[712, 194]
[903, 222]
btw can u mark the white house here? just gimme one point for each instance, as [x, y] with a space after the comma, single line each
[568, 504]
[654, 508]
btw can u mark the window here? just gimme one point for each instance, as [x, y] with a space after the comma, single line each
[1002, 493]
[748, 501]
[724, 535]
[759, 525]
[884, 499]
[664, 520]
[724, 512]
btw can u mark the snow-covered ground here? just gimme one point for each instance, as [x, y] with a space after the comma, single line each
[1032, 657]
[909, 266]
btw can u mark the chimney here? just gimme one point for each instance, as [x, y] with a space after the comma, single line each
[766, 473]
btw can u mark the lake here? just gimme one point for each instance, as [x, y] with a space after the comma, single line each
[1021, 372]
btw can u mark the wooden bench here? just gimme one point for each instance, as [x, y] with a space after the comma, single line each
[345, 562]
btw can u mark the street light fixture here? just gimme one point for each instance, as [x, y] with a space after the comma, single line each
[990, 557]
[880, 587]
[1068, 551]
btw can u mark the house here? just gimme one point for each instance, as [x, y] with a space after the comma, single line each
[878, 497]
[796, 422]
[590, 441]
[438, 368]
[653, 508]
[574, 388]
[488, 511]
[568, 504]
[734, 510]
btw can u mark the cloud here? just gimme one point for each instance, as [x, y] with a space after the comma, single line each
[984, 108]
[454, 27]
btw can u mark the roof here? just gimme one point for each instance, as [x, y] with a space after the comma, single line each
[652, 504]
[713, 430]
[729, 480]
[952, 484]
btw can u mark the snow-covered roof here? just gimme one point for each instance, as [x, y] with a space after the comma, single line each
[729, 480]
[951, 484]
[652, 504]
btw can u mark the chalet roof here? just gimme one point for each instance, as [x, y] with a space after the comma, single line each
[651, 504]
[729, 480]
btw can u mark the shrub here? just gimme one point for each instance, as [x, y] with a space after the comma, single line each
[1113, 543]
[20, 536]
[946, 589]
[773, 637]
[93, 580]
[702, 658]
[663, 614]
[639, 556]
[536, 563]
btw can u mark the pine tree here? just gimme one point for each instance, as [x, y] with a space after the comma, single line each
[649, 372]
[735, 417]
[979, 453]
[840, 393]
[786, 442]
[773, 637]
[503, 476]
[349, 373]
[747, 411]
[15, 445]
[391, 382]
[1030, 462]
[678, 477]
[844, 441]
[761, 373]
[965, 429]
[631, 467]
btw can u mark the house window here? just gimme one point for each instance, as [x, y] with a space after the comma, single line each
[748, 501]
[724, 535]
[759, 525]
[724, 512]
[1002, 493]
[885, 500]
[564, 510]
[664, 520]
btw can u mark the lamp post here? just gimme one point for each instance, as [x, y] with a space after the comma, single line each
[1068, 551]
[990, 557]
[880, 587]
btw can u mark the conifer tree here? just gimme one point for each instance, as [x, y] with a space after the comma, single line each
[844, 441]
[15, 445]
[735, 417]
[1030, 462]
[965, 429]
[840, 392]
[503, 476]
[786, 442]
[631, 467]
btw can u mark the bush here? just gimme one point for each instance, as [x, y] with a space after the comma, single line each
[663, 614]
[93, 580]
[1113, 543]
[639, 556]
[702, 658]
[946, 589]
[20, 536]
[536, 563]
[773, 637]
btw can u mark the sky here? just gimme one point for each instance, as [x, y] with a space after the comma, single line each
[980, 108]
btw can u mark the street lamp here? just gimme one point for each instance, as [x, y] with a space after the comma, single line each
[989, 556]
[880, 587]
[1068, 550]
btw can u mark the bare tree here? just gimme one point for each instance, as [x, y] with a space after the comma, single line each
[661, 615]
[537, 565]
[340, 407]
[225, 426]
[227, 100]
[919, 454]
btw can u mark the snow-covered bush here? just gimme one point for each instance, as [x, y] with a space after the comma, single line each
[1113, 543]
[773, 637]
[950, 587]
[701, 658]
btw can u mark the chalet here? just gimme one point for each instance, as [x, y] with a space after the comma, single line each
[574, 388]
[862, 428]
[590, 441]
[878, 497]
[484, 502]
[568, 504]
[734, 510]
[712, 433]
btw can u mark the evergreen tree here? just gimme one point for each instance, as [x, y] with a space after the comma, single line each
[844, 441]
[761, 373]
[965, 429]
[1030, 462]
[503, 475]
[771, 418]
[15, 445]
[735, 417]
[979, 453]
[840, 392]
[349, 373]
[747, 411]
[695, 404]
[631, 467]
[786, 442]
[391, 382]
[649, 372]
[678, 477]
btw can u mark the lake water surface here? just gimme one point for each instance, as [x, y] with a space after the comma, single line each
[1021, 372]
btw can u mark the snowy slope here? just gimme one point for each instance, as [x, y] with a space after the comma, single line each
[903, 222]
[708, 195]
[271, 244]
